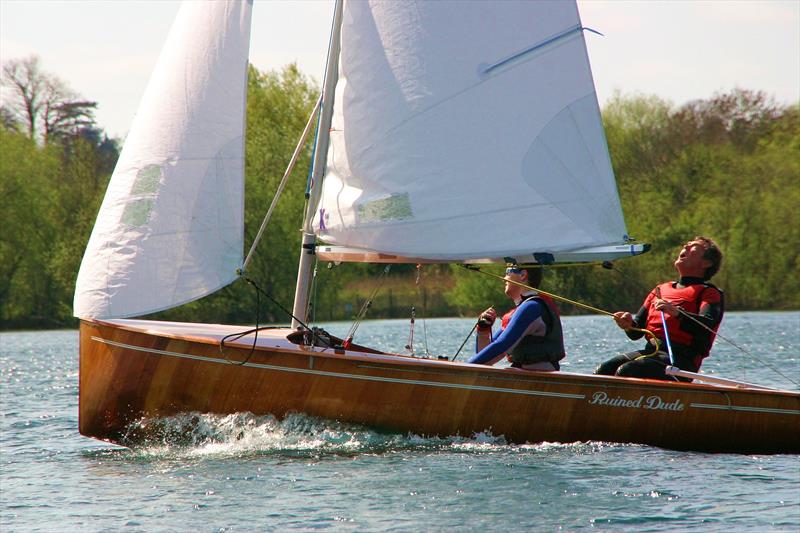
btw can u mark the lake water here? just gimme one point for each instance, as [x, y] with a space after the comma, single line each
[246, 473]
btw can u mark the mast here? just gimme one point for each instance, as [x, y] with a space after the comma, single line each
[320, 157]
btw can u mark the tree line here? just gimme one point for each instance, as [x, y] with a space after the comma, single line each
[54, 167]
[726, 167]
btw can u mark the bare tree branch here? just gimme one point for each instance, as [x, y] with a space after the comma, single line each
[50, 111]
[28, 85]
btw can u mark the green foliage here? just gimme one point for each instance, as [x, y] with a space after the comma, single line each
[731, 173]
[474, 292]
[727, 168]
[79, 191]
[49, 204]
[26, 199]
[50, 193]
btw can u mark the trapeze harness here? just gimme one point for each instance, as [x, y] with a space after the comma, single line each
[689, 340]
[530, 333]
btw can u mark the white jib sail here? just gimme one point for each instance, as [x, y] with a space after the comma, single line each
[170, 229]
[465, 130]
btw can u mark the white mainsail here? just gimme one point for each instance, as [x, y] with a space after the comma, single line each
[467, 130]
[171, 226]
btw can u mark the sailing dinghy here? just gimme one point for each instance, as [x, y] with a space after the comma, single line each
[435, 117]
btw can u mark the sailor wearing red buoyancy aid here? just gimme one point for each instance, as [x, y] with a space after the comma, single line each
[531, 335]
[693, 310]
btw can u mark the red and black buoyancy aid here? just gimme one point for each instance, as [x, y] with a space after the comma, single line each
[536, 348]
[688, 298]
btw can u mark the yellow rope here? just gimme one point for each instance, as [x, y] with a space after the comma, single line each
[647, 332]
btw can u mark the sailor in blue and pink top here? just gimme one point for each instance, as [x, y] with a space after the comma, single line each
[530, 335]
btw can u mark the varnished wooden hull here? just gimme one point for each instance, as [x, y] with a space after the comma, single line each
[135, 369]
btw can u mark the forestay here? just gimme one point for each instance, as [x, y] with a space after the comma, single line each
[466, 130]
[170, 229]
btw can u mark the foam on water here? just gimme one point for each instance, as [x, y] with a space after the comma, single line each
[297, 435]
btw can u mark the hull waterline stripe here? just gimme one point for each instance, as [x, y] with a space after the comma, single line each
[750, 409]
[342, 375]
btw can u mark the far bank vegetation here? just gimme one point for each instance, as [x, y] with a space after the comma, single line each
[726, 167]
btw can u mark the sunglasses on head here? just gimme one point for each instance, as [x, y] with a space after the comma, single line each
[513, 270]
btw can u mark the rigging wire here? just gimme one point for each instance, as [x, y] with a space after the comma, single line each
[749, 354]
[419, 281]
[314, 292]
[282, 184]
[410, 345]
[364, 308]
[276, 302]
[474, 326]
[255, 330]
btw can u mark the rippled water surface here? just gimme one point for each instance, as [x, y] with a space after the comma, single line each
[247, 473]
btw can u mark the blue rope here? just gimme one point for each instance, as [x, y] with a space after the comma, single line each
[666, 338]
[313, 151]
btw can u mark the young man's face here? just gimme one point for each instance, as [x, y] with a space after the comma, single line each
[691, 261]
[513, 290]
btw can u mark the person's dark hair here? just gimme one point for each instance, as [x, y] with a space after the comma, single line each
[534, 277]
[713, 254]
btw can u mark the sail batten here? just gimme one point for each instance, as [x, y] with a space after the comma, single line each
[171, 226]
[464, 136]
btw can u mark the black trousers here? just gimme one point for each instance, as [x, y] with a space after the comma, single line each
[640, 364]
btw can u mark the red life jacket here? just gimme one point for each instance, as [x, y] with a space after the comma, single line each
[689, 299]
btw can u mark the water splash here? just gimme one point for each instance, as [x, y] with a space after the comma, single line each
[297, 435]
